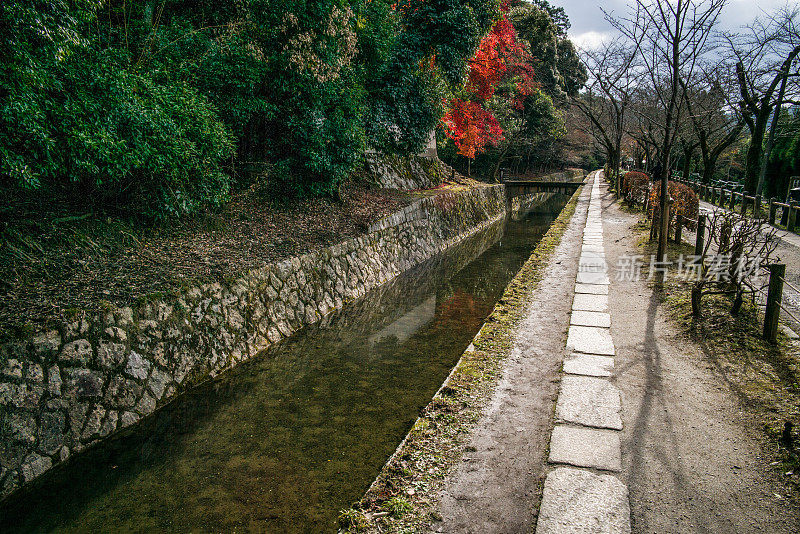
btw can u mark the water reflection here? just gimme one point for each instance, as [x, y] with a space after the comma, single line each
[285, 441]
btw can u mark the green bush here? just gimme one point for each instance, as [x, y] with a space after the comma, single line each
[85, 123]
[107, 104]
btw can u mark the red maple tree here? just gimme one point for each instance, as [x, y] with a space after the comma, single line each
[500, 58]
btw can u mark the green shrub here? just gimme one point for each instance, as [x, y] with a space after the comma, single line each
[85, 123]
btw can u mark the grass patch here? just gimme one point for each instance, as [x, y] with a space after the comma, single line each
[437, 440]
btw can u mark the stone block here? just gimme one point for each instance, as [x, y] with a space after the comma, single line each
[592, 278]
[591, 289]
[586, 447]
[588, 401]
[595, 303]
[137, 366]
[578, 501]
[589, 365]
[76, 352]
[590, 318]
[590, 340]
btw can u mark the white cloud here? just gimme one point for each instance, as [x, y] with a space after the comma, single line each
[591, 39]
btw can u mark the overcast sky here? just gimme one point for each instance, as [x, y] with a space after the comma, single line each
[589, 26]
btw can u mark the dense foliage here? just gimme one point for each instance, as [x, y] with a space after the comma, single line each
[501, 60]
[513, 110]
[148, 106]
[784, 160]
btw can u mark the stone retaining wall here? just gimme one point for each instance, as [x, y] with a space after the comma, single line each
[66, 388]
[414, 172]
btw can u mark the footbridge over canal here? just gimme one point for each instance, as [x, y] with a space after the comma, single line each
[516, 187]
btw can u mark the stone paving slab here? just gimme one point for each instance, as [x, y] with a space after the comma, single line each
[596, 303]
[589, 365]
[592, 278]
[594, 261]
[593, 248]
[591, 289]
[590, 318]
[589, 401]
[580, 502]
[586, 447]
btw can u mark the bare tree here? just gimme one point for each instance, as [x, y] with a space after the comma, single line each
[674, 36]
[715, 118]
[612, 78]
[766, 70]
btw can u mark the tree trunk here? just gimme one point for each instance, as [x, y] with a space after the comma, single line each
[737, 303]
[697, 295]
[753, 161]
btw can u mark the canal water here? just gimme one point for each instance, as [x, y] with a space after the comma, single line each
[285, 441]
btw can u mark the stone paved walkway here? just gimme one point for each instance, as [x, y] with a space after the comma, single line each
[582, 493]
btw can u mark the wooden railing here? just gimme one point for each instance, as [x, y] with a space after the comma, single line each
[755, 205]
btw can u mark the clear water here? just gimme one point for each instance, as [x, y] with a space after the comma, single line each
[287, 440]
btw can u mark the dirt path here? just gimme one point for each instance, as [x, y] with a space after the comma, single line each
[693, 459]
[496, 489]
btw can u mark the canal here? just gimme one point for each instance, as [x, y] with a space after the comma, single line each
[285, 441]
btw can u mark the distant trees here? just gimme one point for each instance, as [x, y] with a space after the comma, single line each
[715, 117]
[766, 60]
[612, 81]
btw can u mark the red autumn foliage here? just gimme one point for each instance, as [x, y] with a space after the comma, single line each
[635, 187]
[500, 58]
[685, 203]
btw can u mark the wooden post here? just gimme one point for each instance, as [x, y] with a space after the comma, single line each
[792, 222]
[774, 295]
[772, 210]
[733, 201]
[744, 204]
[701, 235]
[757, 207]
[678, 228]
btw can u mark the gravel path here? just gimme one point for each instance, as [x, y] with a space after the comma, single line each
[692, 457]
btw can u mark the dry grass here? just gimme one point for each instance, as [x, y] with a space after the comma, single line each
[52, 261]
